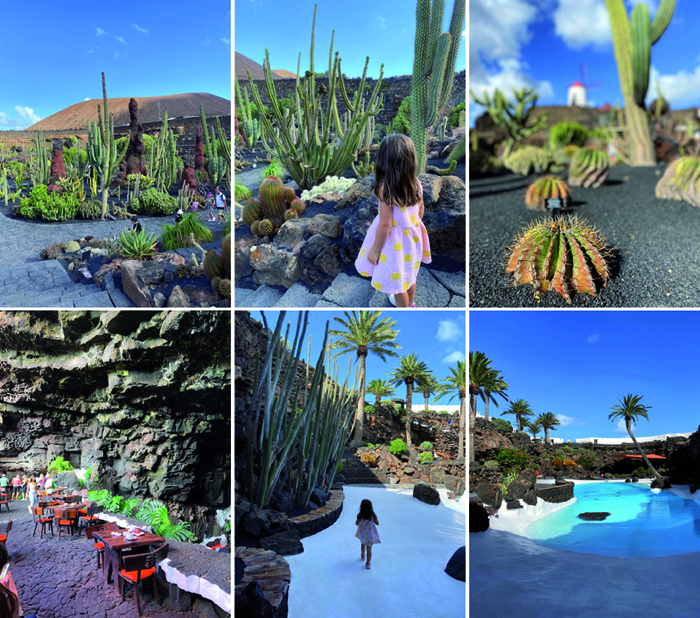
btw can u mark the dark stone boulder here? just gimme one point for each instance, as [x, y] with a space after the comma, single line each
[426, 493]
[513, 504]
[455, 484]
[67, 479]
[524, 482]
[530, 497]
[661, 484]
[252, 604]
[490, 493]
[255, 521]
[694, 488]
[594, 516]
[478, 517]
[286, 543]
[457, 565]
[318, 496]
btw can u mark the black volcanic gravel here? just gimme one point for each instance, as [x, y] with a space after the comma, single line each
[656, 243]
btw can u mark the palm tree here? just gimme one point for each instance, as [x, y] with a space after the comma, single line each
[379, 388]
[521, 409]
[428, 385]
[364, 334]
[481, 377]
[629, 409]
[548, 421]
[409, 371]
[534, 426]
[458, 382]
[498, 387]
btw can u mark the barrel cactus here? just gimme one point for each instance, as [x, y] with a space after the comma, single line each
[565, 255]
[217, 267]
[272, 198]
[251, 212]
[291, 214]
[544, 188]
[589, 168]
[298, 206]
[265, 227]
[289, 195]
[681, 181]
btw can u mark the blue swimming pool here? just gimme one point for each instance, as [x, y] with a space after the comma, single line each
[641, 524]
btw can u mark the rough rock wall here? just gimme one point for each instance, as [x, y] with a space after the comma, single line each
[143, 396]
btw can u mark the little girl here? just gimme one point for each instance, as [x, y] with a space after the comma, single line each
[367, 523]
[397, 241]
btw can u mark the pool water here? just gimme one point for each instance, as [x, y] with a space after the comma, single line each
[642, 524]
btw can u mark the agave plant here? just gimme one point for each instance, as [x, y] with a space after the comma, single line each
[137, 245]
[545, 188]
[565, 255]
[589, 168]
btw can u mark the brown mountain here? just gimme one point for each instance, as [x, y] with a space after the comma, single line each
[244, 64]
[286, 74]
[151, 109]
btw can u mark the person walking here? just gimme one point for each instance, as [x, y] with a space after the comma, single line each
[367, 523]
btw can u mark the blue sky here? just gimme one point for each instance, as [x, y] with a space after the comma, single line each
[436, 337]
[54, 53]
[384, 31]
[579, 364]
[543, 43]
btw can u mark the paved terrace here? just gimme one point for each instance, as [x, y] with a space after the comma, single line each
[60, 579]
[28, 281]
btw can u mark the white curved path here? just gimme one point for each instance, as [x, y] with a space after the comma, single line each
[407, 576]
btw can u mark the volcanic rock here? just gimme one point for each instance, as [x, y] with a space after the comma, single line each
[426, 493]
[478, 517]
[457, 565]
[594, 516]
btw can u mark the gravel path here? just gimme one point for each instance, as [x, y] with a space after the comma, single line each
[656, 242]
[60, 579]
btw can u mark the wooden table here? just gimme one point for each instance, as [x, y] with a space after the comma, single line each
[115, 545]
[59, 511]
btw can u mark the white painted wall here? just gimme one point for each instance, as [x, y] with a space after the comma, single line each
[622, 440]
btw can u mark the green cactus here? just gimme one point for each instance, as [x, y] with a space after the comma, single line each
[255, 228]
[162, 159]
[272, 198]
[289, 195]
[459, 151]
[225, 288]
[528, 159]
[213, 264]
[589, 168]
[564, 255]
[513, 119]
[435, 56]
[298, 205]
[102, 152]
[632, 42]
[226, 255]
[43, 168]
[265, 227]
[252, 128]
[312, 143]
[681, 181]
[544, 188]
[291, 214]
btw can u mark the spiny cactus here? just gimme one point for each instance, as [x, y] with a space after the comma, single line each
[265, 227]
[213, 264]
[632, 43]
[255, 228]
[681, 181]
[298, 206]
[527, 160]
[251, 212]
[589, 168]
[272, 197]
[545, 188]
[291, 214]
[225, 288]
[564, 255]
[289, 195]
[217, 267]
[513, 119]
[435, 56]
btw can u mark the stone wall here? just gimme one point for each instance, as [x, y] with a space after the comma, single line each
[318, 520]
[142, 396]
[395, 91]
[556, 493]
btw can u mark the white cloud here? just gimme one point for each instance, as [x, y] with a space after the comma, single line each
[4, 119]
[27, 113]
[448, 330]
[453, 357]
[87, 99]
[381, 22]
[582, 22]
[680, 88]
[139, 29]
[100, 32]
[120, 39]
[594, 338]
[621, 427]
[226, 41]
[568, 420]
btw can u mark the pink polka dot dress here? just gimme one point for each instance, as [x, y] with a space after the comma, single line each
[367, 532]
[405, 248]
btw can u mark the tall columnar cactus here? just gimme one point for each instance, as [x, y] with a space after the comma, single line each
[102, 152]
[513, 119]
[564, 255]
[589, 168]
[632, 42]
[435, 56]
[250, 127]
[312, 143]
[42, 164]
[162, 163]
[290, 418]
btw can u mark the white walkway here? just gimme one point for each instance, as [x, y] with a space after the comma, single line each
[407, 576]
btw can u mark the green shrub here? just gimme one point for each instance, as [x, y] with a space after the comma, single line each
[30, 207]
[178, 236]
[90, 209]
[566, 133]
[445, 412]
[155, 203]
[370, 445]
[398, 447]
[507, 480]
[59, 465]
[425, 457]
[368, 459]
[339, 467]
[502, 426]
[529, 159]
[456, 115]
[137, 245]
[511, 460]
[155, 513]
[70, 156]
[491, 463]
[274, 169]
[602, 134]
[286, 103]
[428, 446]
[402, 121]
[251, 108]
[148, 142]
[51, 207]
[586, 462]
[70, 142]
[369, 409]
[556, 463]
[241, 192]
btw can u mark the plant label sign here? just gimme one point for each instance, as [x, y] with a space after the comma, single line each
[553, 203]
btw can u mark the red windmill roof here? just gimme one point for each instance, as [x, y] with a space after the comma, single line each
[606, 108]
[577, 83]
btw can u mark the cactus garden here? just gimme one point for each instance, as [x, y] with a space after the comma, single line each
[305, 147]
[627, 172]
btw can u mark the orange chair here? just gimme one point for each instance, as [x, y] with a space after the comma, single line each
[89, 517]
[99, 545]
[139, 568]
[68, 522]
[4, 500]
[42, 517]
[4, 531]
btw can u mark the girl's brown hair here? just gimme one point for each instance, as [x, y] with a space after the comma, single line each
[366, 511]
[8, 599]
[395, 172]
